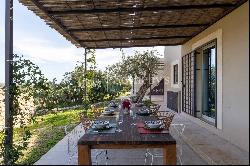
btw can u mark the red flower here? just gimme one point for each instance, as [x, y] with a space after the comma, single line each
[126, 104]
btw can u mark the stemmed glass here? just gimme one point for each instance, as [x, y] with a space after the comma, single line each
[134, 119]
[119, 120]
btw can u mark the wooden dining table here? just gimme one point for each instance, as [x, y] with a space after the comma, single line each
[128, 138]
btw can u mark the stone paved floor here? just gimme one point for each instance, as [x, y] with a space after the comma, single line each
[210, 147]
[196, 146]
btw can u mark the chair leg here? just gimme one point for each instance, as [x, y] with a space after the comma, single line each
[152, 159]
[145, 159]
[106, 157]
[106, 154]
[96, 157]
[179, 157]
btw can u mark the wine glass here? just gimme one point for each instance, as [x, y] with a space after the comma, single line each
[119, 120]
[134, 119]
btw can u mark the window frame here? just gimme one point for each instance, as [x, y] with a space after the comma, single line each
[217, 34]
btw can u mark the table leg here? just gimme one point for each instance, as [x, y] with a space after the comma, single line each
[169, 155]
[84, 155]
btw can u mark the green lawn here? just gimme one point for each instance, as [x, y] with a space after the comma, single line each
[46, 132]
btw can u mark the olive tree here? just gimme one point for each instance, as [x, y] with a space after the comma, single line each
[142, 66]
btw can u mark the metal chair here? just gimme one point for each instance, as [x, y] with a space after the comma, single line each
[179, 130]
[97, 113]
[166, 121]
[155, 108]
[86, 123]
[72, 138]
[155, 111]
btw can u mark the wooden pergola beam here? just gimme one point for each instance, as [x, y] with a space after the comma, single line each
[57, 23]
[132, 39]
[141, 9]
[121, 28]
[236, 5]
[120, 46]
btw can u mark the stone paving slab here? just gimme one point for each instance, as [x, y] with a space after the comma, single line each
[210, 147]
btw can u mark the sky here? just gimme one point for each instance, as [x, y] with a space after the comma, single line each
[47, 48]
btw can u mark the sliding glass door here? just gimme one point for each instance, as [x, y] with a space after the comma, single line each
[209, 80]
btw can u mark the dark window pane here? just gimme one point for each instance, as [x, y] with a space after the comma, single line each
[175, 74]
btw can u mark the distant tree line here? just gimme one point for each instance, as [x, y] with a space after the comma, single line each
[30, 83]
[70, 91]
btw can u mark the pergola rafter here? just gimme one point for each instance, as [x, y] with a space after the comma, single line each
[141, 9]
[119, 24]
[127, 28]
[174, 44]
[131, 39]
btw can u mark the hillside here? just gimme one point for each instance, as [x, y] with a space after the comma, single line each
[27, 107]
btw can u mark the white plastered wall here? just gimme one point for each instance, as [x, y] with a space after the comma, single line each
[218, 36]
[233, 76]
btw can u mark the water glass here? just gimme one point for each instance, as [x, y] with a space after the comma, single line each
[119, 122]
[134, 119]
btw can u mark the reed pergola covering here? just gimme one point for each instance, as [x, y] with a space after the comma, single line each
[130, 23]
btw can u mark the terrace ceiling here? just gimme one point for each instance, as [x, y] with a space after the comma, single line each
[130, 23]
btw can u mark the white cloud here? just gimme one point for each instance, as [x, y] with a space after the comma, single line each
[42, 51]
[105, 57]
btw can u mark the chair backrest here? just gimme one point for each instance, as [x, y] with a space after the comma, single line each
[179, 127]
[167, 119]
[97, 113]
[86, 123]
[155, 109]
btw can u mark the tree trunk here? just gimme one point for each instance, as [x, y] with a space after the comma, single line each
[142, 91]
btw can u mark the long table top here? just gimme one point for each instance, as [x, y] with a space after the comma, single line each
[129, 134]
